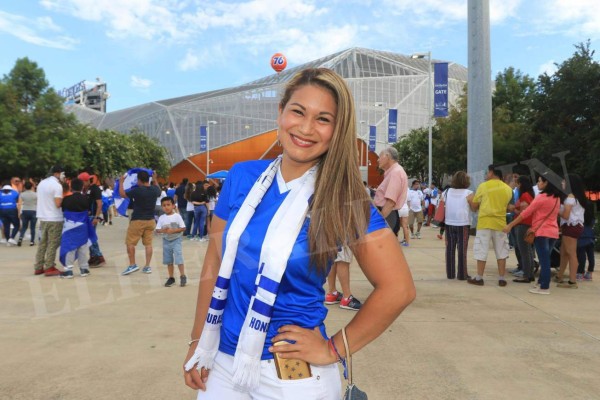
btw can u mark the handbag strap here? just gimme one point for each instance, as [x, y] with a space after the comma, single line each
[348, 356]
[544, 220]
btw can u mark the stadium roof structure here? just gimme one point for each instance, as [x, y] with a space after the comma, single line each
[379, 81]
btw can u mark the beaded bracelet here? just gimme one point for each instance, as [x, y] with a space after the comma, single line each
[192, 341]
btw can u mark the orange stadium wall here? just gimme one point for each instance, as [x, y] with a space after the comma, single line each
[249, 149]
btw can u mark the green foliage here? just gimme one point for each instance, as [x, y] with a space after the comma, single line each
[567, 116]
[413, 152]
[531, 118]
[28, 81]
[36, 133]
[150, 153]
[450, 144]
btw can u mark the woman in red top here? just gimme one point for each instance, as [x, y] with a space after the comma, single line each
[543, 211]
[526, 196]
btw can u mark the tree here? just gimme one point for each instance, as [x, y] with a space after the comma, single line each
[35, 131]
[106, 153]
[109, 153]
[150, 153]
[567, 116]
[28, 81]
[450, 146]
[512, 108]
[413, 154]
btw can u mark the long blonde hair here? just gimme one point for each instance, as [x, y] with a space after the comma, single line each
[340, 208]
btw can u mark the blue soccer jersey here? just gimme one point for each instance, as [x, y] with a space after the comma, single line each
[300, 299]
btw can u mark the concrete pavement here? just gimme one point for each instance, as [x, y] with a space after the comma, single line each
[113, 337]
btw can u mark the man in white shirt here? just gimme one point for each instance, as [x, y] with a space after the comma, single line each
[50, 216]
[415, 202]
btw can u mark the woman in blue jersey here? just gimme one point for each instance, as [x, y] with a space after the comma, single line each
[276, 230]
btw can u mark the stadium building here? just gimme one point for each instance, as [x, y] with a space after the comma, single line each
[242, 120]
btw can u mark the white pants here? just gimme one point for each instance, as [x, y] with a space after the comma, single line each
[325, 383]
[482, 244]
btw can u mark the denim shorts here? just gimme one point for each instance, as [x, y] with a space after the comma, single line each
[172, 252]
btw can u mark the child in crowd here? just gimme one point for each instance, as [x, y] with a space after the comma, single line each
[171, 225]
[78, 232]
[585, 245]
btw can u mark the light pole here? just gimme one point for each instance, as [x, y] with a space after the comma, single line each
[363, 175]
[209, 123]
[429, 105]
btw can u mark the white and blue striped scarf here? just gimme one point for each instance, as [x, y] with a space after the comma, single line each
[275, 252]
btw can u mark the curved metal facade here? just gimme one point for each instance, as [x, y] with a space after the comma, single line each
[379, 81]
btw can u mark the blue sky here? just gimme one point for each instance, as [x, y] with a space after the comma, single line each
[150, 50]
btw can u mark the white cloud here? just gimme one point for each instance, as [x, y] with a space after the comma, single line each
[574, 17]
[548, 68]
[140, 83]
[322, 42]
[502, 10]
[191, 61]
[437, 13]
[172, 20]
[40, 31]
[146, 19]
[300, 46]
[211, 56]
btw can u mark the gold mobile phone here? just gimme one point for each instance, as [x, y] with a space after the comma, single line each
[290, 368]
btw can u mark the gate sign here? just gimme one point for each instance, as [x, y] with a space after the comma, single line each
[372, 137]
[440, 93]
[202, 138]
[393, 126]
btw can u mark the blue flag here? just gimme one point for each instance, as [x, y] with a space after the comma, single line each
[440, 92]
[203, 135]
[393, 126]
[372, 137]
[78, 230]
[121, 204]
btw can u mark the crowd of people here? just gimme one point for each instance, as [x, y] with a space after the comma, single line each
[63, 213]
[554, 213]
[279, 231]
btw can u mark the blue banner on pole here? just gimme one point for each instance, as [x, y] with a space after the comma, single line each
[393, 126]
[372, 137]
[440, 97]
[202, 138]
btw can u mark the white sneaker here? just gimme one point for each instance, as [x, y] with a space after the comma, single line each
[12, 242]
[539, 290]
[3, 241]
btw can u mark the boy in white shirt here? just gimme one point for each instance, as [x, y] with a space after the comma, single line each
[415, 203]
[172, 226]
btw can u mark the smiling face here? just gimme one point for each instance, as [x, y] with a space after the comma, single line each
[306, 126]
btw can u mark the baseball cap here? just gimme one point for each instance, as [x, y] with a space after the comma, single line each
[84, 176]
[57, 168]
